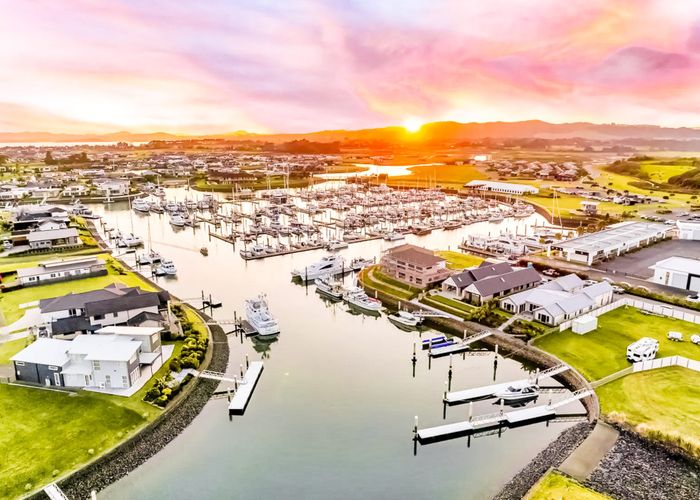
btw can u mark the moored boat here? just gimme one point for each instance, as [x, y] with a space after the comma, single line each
[258, 315]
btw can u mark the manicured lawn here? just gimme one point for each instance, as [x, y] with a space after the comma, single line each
[458, 260]
[555, 486]
[665, 400]
[8, 264]
[373, 278]
[454, 176]
[45, 431]
[446, 305]
[455, 304]
[10, 301]
[603, 351]
[9, 349]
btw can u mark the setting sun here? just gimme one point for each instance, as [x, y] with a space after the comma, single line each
[412, 124]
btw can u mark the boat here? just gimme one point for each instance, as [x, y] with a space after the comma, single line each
[177, 220]
[156, 208]
[258, 315]
[519, 392]
[328, 266]
[148, 258]
[359, 263]
[255, 250]
[130, 241]
[394, 236]
[336, 245]
[406, 318]
[332, 289]
[142, 206]
[204, 251]
[452, 225]
[166, 268]
[357, 297]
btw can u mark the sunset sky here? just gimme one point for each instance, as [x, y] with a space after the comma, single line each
[269, 65]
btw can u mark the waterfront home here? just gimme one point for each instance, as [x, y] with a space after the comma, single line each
[501, 187]
[414, 265]
[559, 300]
[678, 272]
[113, 359]
[62, 270]
[614, 241]
[688, 230]
[112, 187]
[89, 311]
[490, 281]
[54, 239]
[30, 216]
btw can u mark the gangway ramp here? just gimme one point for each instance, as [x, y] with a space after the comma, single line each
[458, 346]
[490, 390]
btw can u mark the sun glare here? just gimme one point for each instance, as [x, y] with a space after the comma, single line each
[412, 124]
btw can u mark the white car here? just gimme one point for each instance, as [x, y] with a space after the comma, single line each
[618, 289]
[693, 298]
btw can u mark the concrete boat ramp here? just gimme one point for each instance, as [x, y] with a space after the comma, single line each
[464, 396]
[513, 418]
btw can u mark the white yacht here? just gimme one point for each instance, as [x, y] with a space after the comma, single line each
[328, 266]
[336, 245]
[332, 289]
[519, 392]
[130, 241]
[177, 220]
[141, 205]
[406, 318]
[357, 297]
[359, 263]
[258, 315]
[151, 257]
[394, 236]
[166, 268]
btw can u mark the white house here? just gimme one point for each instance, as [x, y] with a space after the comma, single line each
[678, 272]
[54, 238]
[502, 187]
[62, 270]
[76, 190]
[559, 300]
[113, 187]
[688, 230]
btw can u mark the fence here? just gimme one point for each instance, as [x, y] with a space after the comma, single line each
[642, 305]
[652, 364]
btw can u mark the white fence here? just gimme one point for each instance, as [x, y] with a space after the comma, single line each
[666, 362]
[652, 307]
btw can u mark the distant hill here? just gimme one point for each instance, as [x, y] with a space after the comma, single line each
[431, 132]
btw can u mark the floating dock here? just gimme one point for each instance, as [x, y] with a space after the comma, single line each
[513, 418]
[240, 399]
[489, 390]
[247, 328]
[444, 350]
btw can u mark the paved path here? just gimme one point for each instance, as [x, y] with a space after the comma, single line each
[588, 455]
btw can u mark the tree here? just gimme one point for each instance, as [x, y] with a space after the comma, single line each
[48, 159]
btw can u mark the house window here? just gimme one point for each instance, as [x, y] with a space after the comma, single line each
[53, 368]
[19, 363]
[99, 316]
[96, 365]
[125, 382]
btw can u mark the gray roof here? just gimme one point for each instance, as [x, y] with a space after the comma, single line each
[67, 266]
[113, 298]
[565, 283]
[504, 282]
[469, 276]
[144, 316]
[134, 299]
[52, 234]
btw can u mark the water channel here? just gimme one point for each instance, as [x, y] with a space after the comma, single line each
[333, 412]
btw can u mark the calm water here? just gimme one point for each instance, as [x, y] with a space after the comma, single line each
[332, 414]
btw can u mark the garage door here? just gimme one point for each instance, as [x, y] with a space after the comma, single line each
[694, 284]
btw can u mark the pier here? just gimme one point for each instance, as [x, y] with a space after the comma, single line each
[489, 390]
[456, 347]
[240, 399]
[514, 417]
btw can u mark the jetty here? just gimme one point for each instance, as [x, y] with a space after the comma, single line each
[466, 395]
[512, 418]
[240, 399]
[445, 348]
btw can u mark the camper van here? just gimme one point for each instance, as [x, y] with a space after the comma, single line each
[642, 350]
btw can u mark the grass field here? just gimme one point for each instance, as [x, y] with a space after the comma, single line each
[10, 301]
[379, 281]
[665, 400]
[661, 170]
[9, 349]
[555, 486]
[603, 352]
[458, 260]
[45, 432]
[451, 176]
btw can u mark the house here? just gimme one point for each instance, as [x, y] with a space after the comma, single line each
[112, 187]
[458, 282]
[76, 190]
[502, 187]
[62, 270]
[89, 311]
[688, 230]
[499, 285]
[678, 272]
[54, 238]
[113, 359]
[414, 265]
[559, 300]
[29, 216]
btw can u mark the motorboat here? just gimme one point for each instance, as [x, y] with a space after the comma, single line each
[140, 205]
[357, 297]
[518, 392]
[328, 266]
[157, 208]
[336, 245]
[254, 251]
[177, 220]
[406, 318]
[166, 268]
[130, 241]
[394, 236]
[148, 258]
[359, 263]
[332, 289]
[258, 315]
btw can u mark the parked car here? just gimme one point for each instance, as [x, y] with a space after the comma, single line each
[618, 289]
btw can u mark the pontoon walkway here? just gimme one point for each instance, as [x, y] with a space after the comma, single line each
[240, 399]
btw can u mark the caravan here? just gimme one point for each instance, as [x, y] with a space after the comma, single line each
[643, 349]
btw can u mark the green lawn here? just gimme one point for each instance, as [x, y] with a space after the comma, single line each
[10, 301]
[45, 432]
[9, 349]
[555, 486]
[439, 300]
[379, 281]
[603, 351]
[8, 264]
[665, 400]
[458, 260]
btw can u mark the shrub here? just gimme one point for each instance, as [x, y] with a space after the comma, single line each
[175, 365]
[153, 393]
[161, 401]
